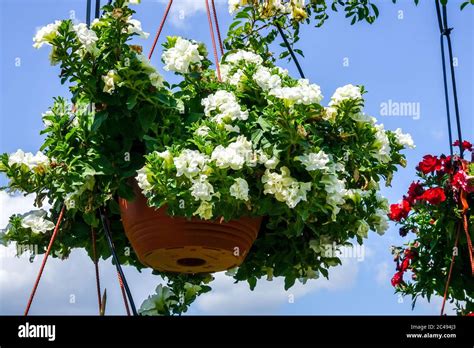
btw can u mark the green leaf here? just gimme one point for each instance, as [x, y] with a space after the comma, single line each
[146, 118]
[99, 118]
[131, 101]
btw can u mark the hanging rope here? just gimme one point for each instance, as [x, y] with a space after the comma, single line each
[45, 258]
[96, 266]
[160, 28]
[214, 12]
[445, 31]
[106, 226]
[214, 45]
[290, 49]
[124, 295]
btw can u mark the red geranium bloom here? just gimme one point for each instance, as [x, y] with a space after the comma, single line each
[399, 211]
[446, 165]
[397, 279]
[459, 180]
[429, 164]
[466, 145]
[414, 191]
[434, 195]
[470, 314]
[405, 264]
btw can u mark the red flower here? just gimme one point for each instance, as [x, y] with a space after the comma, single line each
[397, 279]
[405, 264]
[434, 195]
[459, 180]
[414, 191]
[466, 145]
[429, 164]
[446, 165]
[470, 314]
[399, 211]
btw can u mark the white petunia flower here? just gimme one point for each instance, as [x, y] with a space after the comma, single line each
[201, 189]
[336, 192]
[228, 77]
[231, 128]
[381, 145]
[314, 161]
[404, 139]
[235, 155]
[46, 34]
[86, 36]
[28, 159]
[142, 181]
[47, 123]
[190, 163]
[271, 163]
[202, 131]
[303, 93]
[109, 81]
[242, 55]
[344, 93]
[266, 80]
[135, 27]
[240, 189]
[233, 6]
[35, 220]
[225, 105]
[204, 210]
[180, 57]
[380, 221]
[284, 187]
[156, 80]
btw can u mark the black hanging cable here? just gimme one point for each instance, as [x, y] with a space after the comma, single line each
[106, 226]
[292, 53]
[445, 79]
[97, 8]
[88, 12]
[446, 32]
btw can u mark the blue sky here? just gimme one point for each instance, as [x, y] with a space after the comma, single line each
[397, 59]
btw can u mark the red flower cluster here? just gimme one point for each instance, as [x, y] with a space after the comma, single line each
[399, 211]
[414, 192]
[397, 279]
[429, 164]
[434, 195]
[466, 145]
[402, 267]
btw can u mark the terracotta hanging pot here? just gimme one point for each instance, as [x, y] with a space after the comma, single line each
[177, 244]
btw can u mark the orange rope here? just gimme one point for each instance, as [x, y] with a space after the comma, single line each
[96, 264]
[450, 269]
[214, 46]
[160, 28]
[123, 293]
[45, 258]
[214, 12]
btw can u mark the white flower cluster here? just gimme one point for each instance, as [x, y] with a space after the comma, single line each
[190, 163]
[109, 81]
[135, 27]
[381, 145]
[28, 159]
[228, 76]
[142, 180]
[242, 55]
[181, 56]
[86, 36]
[240, 189]
[335, 192]
[46, 34]
[345, 93]
[404, 139]
[284, 187]
[235, 155]
[155, 77]
[266, 80]
[315, 161]
[270, 8]
[303, 93]
[226, 105]
[35, 220]
[201, 189]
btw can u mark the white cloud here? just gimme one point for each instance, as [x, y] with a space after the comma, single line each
[382, 275]
[229, 298]
[13, 204]
[183, 9]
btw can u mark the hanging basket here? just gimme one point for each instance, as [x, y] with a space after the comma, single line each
[177, 244]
